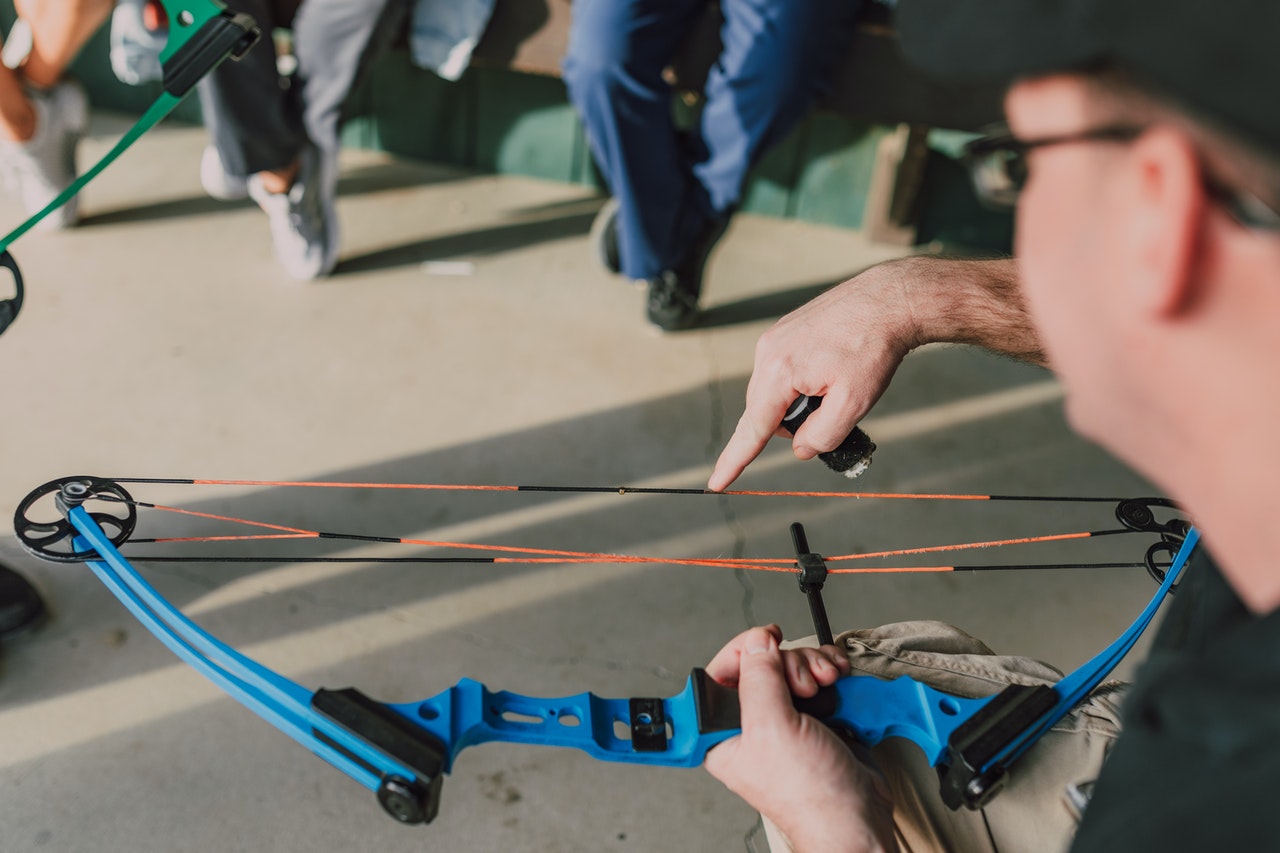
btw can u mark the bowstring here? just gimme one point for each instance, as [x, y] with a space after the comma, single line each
[533, 556]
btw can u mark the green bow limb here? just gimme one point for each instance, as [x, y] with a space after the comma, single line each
[202, 33]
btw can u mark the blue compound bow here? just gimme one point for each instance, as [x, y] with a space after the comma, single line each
[202, 33]
[403, 751]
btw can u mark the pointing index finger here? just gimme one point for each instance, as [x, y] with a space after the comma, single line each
[758, 424]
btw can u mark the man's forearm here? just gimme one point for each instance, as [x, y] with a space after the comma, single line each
[977, 302]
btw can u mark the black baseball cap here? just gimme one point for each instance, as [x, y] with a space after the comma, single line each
[1220, 59]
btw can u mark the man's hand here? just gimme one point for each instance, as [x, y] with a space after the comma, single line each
[786, 764]
[845, 346]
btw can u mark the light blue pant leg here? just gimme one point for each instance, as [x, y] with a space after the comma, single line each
[613, 71]
[777, 59]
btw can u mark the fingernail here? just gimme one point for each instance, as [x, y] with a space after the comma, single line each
[759, 642]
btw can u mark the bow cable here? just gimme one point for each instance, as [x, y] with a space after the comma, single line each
[480, 553]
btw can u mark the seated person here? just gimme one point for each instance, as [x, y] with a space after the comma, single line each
[674, 192]
[42, 114]
[277, 140]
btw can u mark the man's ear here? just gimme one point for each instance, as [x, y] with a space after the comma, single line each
[1165, 227]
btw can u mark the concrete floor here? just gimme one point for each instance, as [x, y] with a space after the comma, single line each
[159, 340]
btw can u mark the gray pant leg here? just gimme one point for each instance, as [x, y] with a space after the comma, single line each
[336, 42]
[254, 122]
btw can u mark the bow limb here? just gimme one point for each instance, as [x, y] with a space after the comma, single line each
[280, 701]
[202, 33]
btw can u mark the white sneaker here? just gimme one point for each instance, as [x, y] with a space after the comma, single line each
[40, 168]
[215, 180]
[301, 221]
[135, 49]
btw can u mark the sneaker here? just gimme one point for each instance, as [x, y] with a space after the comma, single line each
[215, 180]
[301, 220]
[673, 294]
[21, 607]
[138, 35]
[39, 169]
[673, 304]
[604, 237]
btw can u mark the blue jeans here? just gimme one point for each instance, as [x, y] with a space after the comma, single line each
[671, 189]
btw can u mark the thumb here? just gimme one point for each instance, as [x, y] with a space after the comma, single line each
[762, 682]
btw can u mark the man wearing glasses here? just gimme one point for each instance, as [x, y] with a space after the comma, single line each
[1143, 152]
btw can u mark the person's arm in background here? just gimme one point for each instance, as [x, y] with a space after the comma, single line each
[787, 765]
[58, 31]
[845, 346]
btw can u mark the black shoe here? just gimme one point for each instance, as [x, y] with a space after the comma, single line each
[673, 294]
[21, 607]
[672, 307]
[604, 237]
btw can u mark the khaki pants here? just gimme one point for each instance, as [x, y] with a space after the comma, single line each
[1034, 812]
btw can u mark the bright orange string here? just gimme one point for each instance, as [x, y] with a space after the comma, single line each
[311, 533]
[553, 555]
[466, 487]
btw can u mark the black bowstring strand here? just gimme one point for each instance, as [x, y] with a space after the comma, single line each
[620, 490]
[602, 558]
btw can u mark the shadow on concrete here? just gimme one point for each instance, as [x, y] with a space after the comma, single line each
[479, 243]
[171, 208]
[764, 307]
[359, 180]
[684, 430]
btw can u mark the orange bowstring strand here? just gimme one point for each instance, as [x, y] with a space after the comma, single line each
[565, 556]
[553, 555]
[926, 549]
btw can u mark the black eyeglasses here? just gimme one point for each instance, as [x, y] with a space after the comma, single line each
[997, 164]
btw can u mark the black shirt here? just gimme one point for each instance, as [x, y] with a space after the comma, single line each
[1198, 764]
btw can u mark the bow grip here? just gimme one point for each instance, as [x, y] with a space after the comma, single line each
[873, 709]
